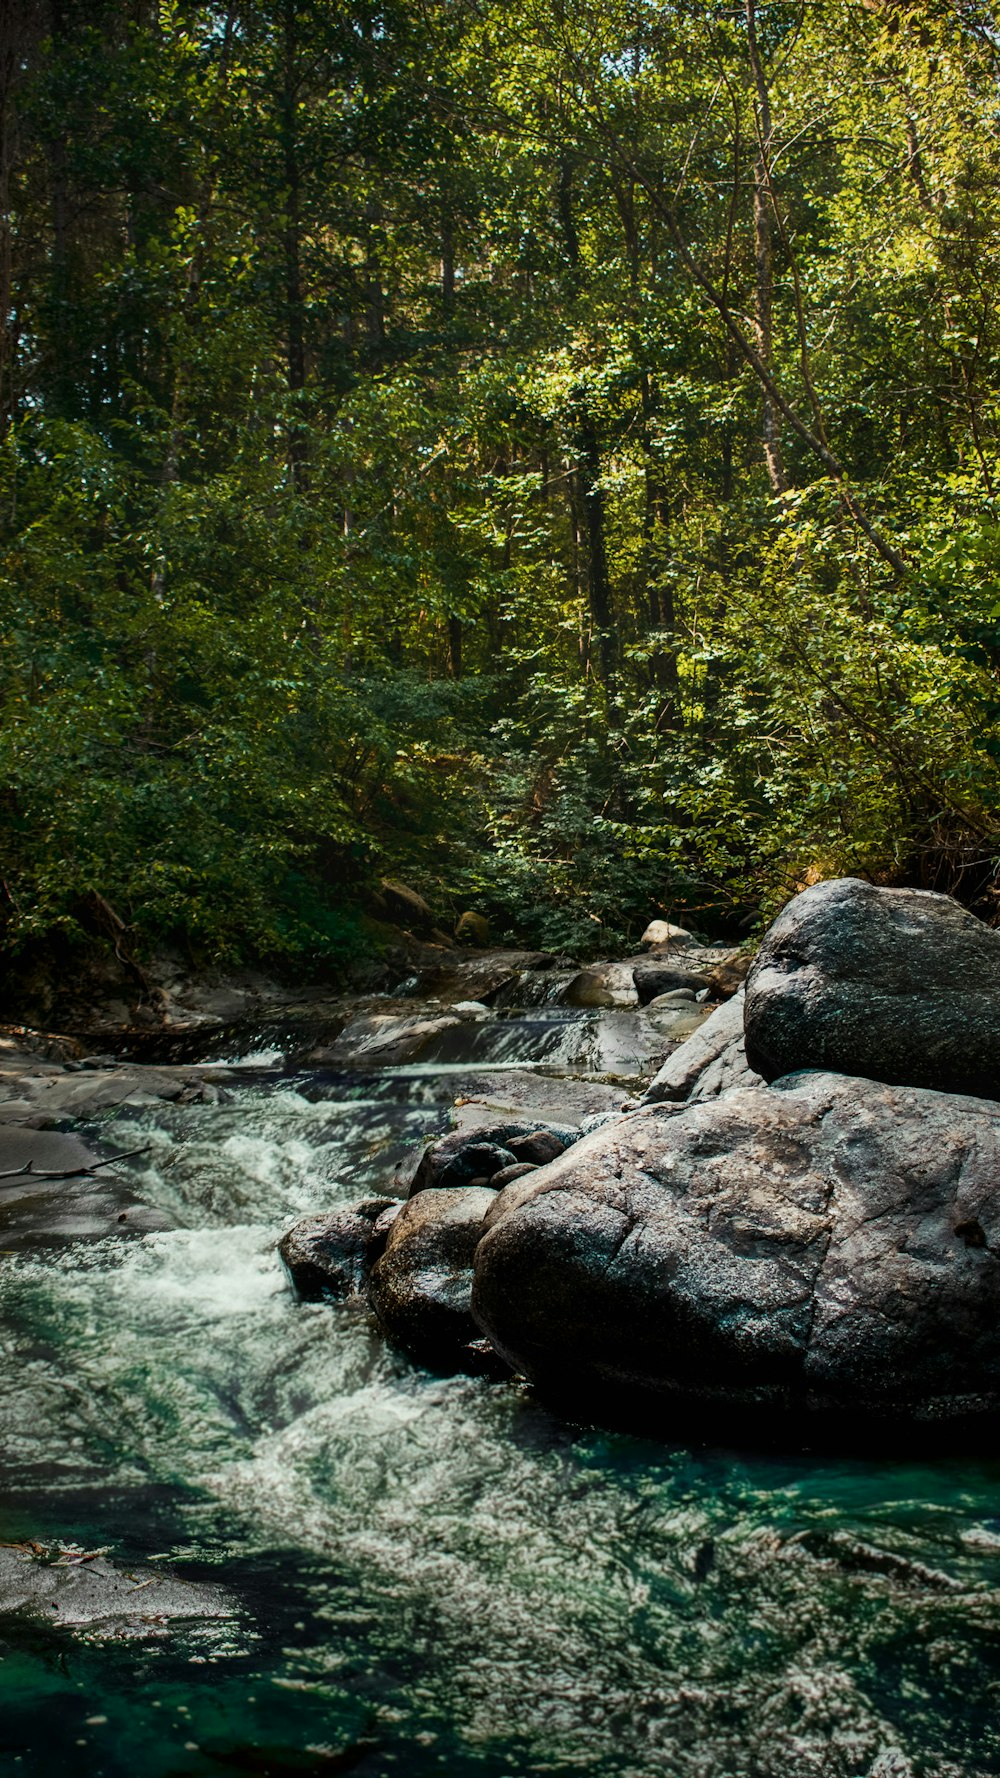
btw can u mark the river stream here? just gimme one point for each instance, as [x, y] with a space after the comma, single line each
[437, 1575]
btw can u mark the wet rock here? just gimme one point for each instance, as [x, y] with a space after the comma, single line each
[76, 1589]
[899, 985]
[472, 929]
[653, 979]
[474, 1161]
[56, 1187]
[602, 985]
[382, 1040]
[795, 1247]
[531, 1101]
[709, 1062]
[478, 1149]
[471, 1009]
[331, 1254]
[421, 1288]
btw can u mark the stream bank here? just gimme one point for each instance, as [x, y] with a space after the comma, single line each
[425, 1574]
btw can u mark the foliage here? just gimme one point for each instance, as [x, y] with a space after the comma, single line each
[385, 475]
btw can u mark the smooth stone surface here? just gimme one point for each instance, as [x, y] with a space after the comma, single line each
[661, 932]
[656, 978]
[382, 1040]
[899, 985]
[64, 1590]
[830, 1243]
[421, 1287]
[540, 1147]
[711, 1061]
[509, 1174]
[535, 1100]
[603, 985]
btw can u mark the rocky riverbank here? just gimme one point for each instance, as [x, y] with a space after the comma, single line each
[801, 1214]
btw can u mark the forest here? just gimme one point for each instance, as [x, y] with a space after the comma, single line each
[547, 452]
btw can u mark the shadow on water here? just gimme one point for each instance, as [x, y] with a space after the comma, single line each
[443, 1575]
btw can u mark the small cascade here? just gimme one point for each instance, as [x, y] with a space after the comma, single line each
[435, 1574]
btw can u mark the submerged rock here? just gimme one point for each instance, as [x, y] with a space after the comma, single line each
[898, 985]
[421, 1288]
[831, 1243]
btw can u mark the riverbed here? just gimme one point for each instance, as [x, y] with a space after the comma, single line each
[429, 1575]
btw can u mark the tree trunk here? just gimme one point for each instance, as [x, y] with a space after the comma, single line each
[764, 257]
[295, 347]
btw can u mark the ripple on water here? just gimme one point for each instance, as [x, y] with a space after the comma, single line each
[444, 1577]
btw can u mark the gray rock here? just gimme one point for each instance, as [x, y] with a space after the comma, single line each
[661, 932]
[899, 985]
[421, 1288]
[532, 1100]
[709, 1063]
[827, 1244]
[455, 1150]
[331, 1254]
[656, 978]
[475, 1161]
[382, 1040]
[601, 985]
[70, 1589]
[539, 1147]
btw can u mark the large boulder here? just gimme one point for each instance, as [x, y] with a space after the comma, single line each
[899, 985]
[421, 1287]
[826, 1244]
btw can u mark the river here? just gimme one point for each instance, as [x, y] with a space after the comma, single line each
[437, 1575]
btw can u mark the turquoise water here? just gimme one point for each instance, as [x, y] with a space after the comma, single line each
[437, 1576]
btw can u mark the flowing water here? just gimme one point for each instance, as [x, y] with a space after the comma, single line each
[437, 1576]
